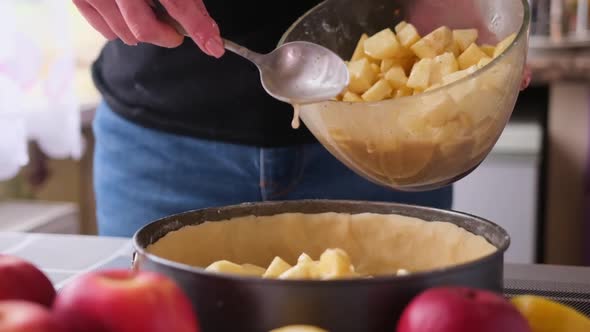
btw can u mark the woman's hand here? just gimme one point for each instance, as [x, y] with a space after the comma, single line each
[134, 21]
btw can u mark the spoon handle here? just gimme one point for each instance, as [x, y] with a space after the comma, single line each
[255, 57]
[163, 15]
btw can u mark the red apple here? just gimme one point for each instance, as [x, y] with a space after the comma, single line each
[22, 316]
[21, 280]
[124, 301]
[457, 309]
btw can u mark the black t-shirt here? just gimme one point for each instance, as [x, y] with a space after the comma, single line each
[186, 92]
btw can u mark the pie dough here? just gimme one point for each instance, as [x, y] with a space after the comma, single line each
[377, 244]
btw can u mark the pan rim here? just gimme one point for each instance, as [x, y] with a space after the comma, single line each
[141, 249]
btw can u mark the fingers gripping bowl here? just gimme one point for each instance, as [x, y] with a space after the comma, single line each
[440, 135]
[437, 247]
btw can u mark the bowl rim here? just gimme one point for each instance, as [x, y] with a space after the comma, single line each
[521, 36]
[140, 250]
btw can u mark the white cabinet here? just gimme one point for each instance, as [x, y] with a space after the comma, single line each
[504, 189]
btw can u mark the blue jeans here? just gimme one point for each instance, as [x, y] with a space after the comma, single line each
[141, 175]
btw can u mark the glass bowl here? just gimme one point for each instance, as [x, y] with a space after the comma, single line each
[429, 140]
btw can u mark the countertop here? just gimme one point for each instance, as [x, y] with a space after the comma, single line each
[62, 257]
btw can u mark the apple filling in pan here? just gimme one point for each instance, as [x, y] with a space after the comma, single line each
[332, 264]
[347, 245]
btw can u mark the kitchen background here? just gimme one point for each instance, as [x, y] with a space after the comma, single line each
[533, 183]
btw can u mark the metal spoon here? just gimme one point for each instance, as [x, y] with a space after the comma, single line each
[297, 72]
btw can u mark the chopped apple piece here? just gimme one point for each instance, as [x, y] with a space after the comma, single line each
[504, 44]
[483, 62]
[359, 51]
[299, 328]
[488, 49]
[402, 272]
[405, 53]
[351, 97]
[382, 45]
[470, 57]
[454, 48]
[230, 268]
[400, 26]
[420, 75]
[299, 271]
[304, 258]
[479, 111]
[403, 92]
[378, 91]
[386, 65]
[254, 269]
[442, 65]
[413, 122]
[396, 77]
[276, 268]
[496, 77]
[448, 79]
[335, 263]
[434, 43]
[361, 75]
[433, 87]
[463, 90]
[408, 35]
[376, 68]
[440, 39]
[465, 120]
[423, 50]
[465, 37]
[440, 108]
[407, 63]
[449, 132]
